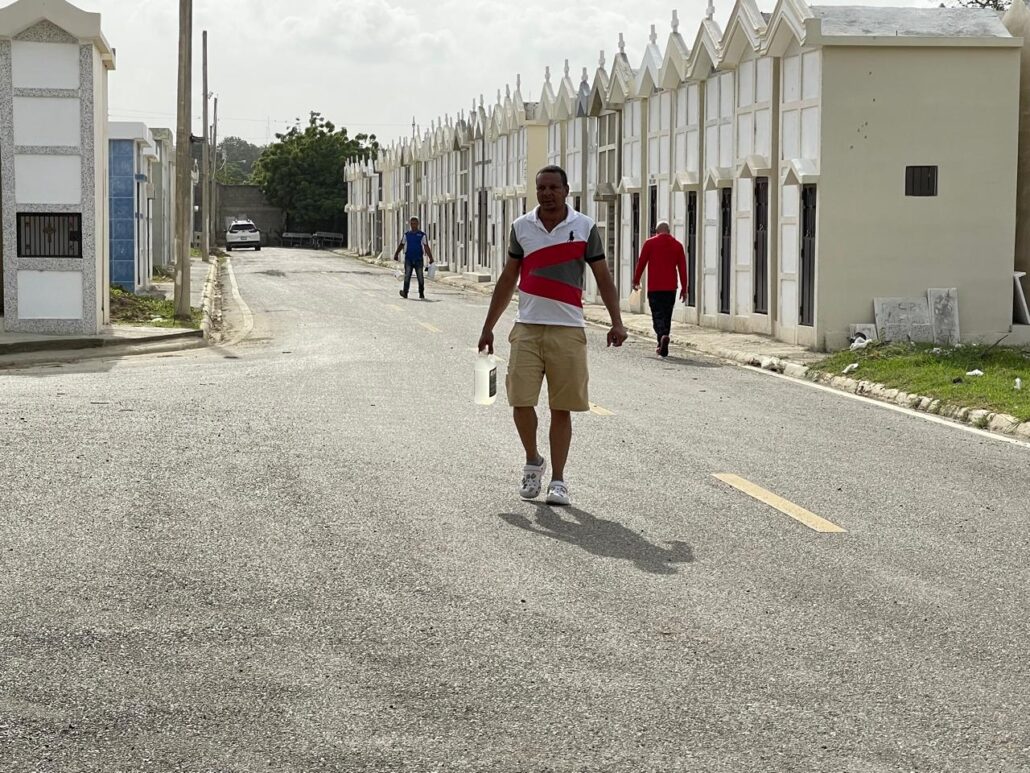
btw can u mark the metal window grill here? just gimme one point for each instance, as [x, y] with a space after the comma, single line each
[49, 235]
[921, 181]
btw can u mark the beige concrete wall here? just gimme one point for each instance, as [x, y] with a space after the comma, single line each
[887, 108]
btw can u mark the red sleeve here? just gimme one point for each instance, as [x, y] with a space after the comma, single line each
[684, 282]
[645, 255]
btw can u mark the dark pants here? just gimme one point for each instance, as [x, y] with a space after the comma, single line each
[417, 268]
[662, 303]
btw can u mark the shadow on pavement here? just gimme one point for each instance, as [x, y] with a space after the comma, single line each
[694, 362]
[608, 539]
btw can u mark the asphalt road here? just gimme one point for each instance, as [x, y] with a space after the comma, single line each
[305, 552]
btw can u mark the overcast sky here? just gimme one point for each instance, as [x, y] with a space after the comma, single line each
[371, 65]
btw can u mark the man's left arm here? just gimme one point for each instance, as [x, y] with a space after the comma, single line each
[429, 252]
[609, 294]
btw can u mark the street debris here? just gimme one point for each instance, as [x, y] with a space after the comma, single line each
[851, 368]
[975, 372]
[859, 343]
[1019, 383]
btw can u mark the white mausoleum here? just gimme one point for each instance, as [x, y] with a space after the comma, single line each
[811, 159]
[54, 62]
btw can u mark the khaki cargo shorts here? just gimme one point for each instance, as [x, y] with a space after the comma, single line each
[555, 352]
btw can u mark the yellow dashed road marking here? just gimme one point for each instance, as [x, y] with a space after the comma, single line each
[430, 328]
[811, 520]
[594, 408]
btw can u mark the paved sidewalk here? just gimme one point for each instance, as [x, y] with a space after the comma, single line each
[748, 349]
[129, 336]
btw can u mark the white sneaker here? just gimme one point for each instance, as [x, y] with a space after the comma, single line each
[532, 479]
[558, 493]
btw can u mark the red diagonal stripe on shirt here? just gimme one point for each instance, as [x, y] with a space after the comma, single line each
[552, 289]
[555, 254]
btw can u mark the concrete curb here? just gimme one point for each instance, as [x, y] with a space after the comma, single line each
[212, 302]
[80, 344]
[999, 423]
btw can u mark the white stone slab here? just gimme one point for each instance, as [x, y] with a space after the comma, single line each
[47, 122]
[44, 65]
[48, 179]
[50, 295]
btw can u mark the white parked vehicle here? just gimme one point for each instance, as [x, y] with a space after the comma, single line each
[242, 233]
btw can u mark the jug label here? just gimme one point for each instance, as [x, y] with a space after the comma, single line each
[493, 382]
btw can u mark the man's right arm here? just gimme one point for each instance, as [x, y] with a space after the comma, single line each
[397, 252]
[681, 265]
[503, 291]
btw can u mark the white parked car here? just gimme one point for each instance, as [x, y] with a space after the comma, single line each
[242, 233]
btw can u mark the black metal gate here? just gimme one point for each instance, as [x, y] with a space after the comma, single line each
[482, 217]
[50, 235]
[635, 230]
[652, 214]
[692, 248]
[761, 299]
[725, 249]
[808, 198]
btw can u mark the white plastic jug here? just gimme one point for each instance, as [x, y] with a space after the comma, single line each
[486, 379]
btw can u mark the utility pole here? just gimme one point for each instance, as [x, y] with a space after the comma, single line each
[205, 174]
[214, 178]
[184, 163]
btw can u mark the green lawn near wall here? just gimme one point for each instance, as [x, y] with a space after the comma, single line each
[940, 372]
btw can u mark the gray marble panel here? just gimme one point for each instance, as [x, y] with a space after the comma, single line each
[46, 150]
[903, 319]
[49, 93]
[46, 32]
[7, 209]
[43, 208]
[90, 281]
[49, 264]
[54, 327]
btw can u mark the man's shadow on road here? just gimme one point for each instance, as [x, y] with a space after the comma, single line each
[608, 539]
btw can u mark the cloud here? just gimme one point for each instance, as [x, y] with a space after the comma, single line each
[372, 64]
[366, 32]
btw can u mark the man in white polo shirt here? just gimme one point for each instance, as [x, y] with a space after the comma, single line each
[548, 252]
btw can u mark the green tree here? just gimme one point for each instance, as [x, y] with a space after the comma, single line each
[994, 5]
[302, 173]
[236, 159]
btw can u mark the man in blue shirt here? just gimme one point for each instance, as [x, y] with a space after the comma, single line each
[415, 244]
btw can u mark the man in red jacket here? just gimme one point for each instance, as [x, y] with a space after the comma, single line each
[664, 254]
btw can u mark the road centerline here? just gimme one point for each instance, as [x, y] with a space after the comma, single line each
[798, 513]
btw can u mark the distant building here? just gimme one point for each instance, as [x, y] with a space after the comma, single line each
[134, 160]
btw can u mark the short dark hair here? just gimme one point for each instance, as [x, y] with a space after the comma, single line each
[555, 169]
